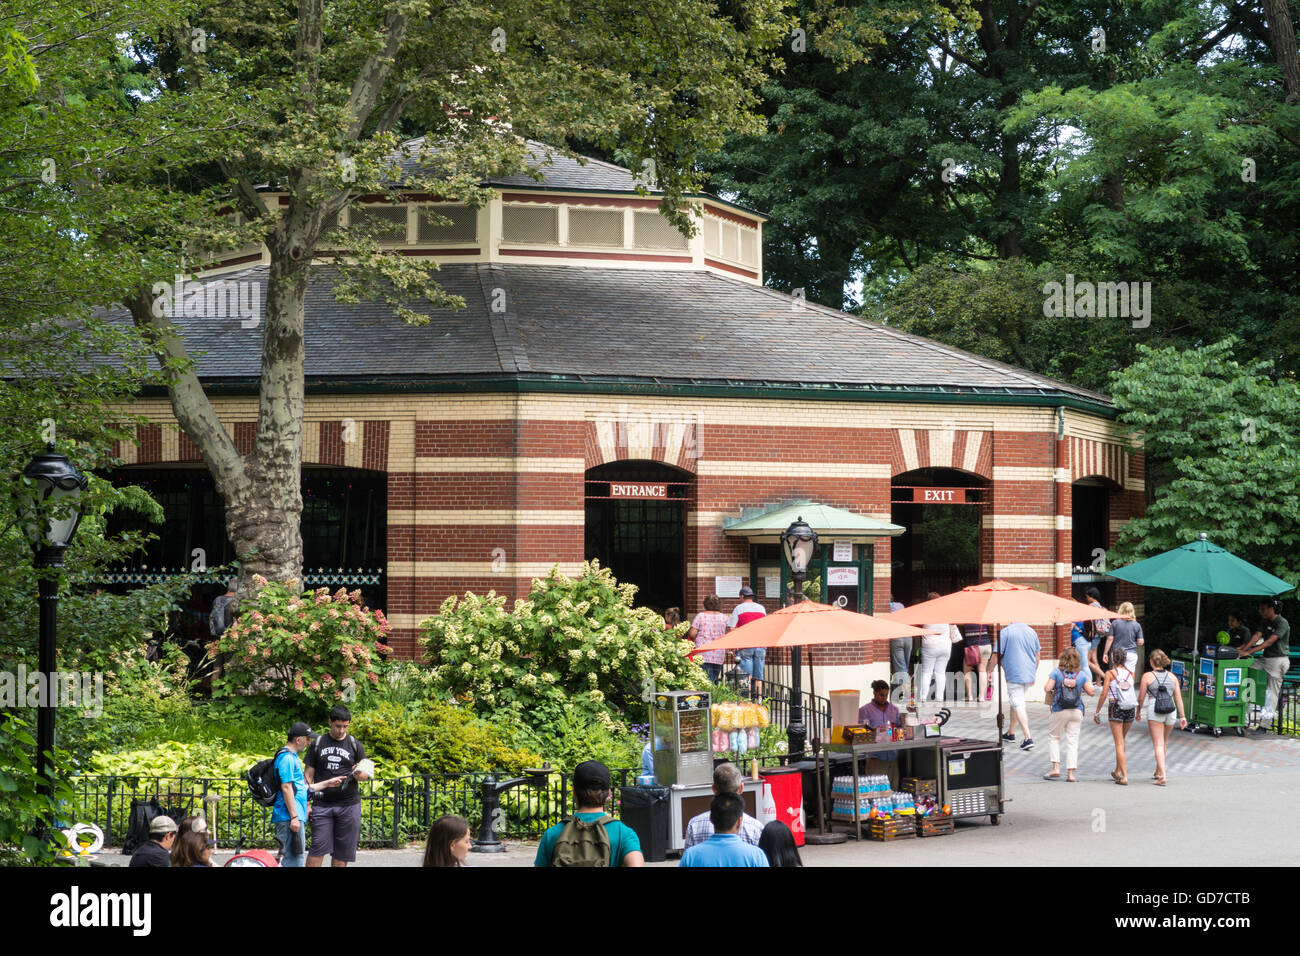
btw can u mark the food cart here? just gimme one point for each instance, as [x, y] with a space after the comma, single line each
[682, 743]
[1225, 687]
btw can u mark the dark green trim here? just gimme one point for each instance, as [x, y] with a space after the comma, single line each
[560, 384]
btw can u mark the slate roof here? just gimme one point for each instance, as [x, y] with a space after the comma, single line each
[604, 324]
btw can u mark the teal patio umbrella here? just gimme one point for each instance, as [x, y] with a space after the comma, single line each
[1205, 568]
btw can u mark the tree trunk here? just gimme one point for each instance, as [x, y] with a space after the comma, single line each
[1281, 35]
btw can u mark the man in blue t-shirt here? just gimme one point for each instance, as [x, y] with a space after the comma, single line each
[725, 847]
[1018, 649]
[591, 790]
[290, 810]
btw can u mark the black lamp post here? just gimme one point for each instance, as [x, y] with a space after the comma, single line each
[798, 540]
[49, 508]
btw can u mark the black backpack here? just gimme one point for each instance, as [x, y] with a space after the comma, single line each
[264, 780]
[1068, 698]
[137, 826]
[1164, 700]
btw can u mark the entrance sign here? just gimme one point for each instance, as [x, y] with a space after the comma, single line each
[841, 577]
[642, 490]
[727, 587]
[843, 551]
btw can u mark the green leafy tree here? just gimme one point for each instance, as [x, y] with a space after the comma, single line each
[1223, 435]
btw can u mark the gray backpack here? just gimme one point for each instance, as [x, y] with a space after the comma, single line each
[1068, 697]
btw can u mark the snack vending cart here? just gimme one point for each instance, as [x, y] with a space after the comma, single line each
[1225, 688]
[681, 734]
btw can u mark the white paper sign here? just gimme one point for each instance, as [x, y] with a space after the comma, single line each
[772, 586]
[843, 551]
[841, 577]
[727, 587]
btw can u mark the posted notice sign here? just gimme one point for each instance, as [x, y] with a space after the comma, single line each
[843, 551]
[727, 587]
[841, 577]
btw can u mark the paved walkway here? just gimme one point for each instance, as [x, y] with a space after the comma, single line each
[1223, 806]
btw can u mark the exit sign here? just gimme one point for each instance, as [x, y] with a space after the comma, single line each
[940, 496]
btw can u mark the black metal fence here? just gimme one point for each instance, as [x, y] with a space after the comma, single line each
[1287, 720]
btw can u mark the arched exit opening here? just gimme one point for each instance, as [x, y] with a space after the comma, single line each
[636, 527]
[942, 509]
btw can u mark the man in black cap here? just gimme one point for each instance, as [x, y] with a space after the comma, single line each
[290, 811]
[158, 851]
[592, 837]
[749, 660]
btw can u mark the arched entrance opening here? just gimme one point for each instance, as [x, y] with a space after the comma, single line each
[636, 527]
[942, 548]
[1090, 537]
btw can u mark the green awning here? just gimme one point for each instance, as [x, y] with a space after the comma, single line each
[828, 522]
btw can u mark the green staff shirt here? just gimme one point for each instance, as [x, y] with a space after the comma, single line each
[1282, 646]
[622, 840]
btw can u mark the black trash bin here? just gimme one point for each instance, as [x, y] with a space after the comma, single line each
[646, 810]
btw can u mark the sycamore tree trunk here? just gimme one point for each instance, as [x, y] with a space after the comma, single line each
[1281, 33]
[263, 489]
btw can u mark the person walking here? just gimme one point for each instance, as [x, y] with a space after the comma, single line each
[1096, 632]
[449, 842]
[725, 847]
[1126, 634]
[578, 840]
[977, 648]
[709, 625]
[1164, 707]
[901, 652]
[1018, 650]
[936, 647]
[1119, 690]
[1065, 688]
[749, 660]
[777, 844]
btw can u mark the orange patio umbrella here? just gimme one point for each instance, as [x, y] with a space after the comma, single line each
[999, 602]
[808, 623]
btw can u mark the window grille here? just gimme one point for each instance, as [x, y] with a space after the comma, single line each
[463, 225]
[655, 232]
[530, 224]
[595, 227]
[388, 223]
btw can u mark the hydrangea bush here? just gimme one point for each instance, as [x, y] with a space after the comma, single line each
[310, 648]
[573, 643]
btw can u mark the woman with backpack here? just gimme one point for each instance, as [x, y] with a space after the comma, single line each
[1164, 707]
[1119, 689]
[1065, 688]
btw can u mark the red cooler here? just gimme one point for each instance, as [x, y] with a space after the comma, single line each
[783, 799]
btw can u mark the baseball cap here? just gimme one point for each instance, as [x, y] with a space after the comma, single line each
[591, 775]
[299, 729]
[162, 824]
[746, 591]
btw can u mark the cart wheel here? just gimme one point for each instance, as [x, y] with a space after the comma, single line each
[995, 819]
[1241, 731]
[1218, 731]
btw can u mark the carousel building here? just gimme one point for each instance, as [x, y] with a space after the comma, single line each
[618, 391]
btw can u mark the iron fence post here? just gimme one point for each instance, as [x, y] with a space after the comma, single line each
[397, 808]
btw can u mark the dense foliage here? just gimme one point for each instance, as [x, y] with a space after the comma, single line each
[309, 649]
[575, 645]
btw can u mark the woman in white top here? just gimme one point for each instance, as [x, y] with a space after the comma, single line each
[1121, 693]
[1154, 682]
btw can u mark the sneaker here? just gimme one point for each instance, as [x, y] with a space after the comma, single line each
[1010, 738]
[988, 693]
[1027, 744]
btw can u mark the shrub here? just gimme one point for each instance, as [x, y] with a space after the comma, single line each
[436, 737]
[309, 649]
[575, 643]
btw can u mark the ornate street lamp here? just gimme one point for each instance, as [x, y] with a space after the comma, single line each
[49, 509]
[799, 541]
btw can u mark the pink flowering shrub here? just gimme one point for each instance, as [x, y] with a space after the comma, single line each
[310, 648]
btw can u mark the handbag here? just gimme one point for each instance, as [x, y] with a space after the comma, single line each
[972, 655]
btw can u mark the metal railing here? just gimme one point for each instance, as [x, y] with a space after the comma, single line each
[393, 812]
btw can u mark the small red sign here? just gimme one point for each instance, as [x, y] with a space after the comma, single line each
[939, 496]
[652, 490]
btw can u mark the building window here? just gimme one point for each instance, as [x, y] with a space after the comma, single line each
[535, 224]
[712, 244]
[386, 223]
[595, 227]
[463, 225]
[653, 231]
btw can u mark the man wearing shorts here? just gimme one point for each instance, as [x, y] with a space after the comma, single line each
[336, 812]
[1017, 652]
[750, 660]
